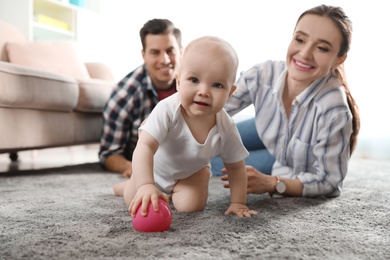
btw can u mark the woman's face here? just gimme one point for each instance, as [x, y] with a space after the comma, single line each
[313, 50]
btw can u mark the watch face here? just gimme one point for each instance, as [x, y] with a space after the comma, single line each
[281, 187]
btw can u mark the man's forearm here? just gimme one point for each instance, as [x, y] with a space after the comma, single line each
[117, 163]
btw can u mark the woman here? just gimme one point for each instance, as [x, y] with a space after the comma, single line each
[304, 112]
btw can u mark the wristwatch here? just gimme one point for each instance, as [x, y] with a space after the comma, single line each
[280, 186]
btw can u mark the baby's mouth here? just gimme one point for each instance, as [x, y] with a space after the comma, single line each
[201, 103]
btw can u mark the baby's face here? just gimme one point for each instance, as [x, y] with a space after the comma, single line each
[206, 79]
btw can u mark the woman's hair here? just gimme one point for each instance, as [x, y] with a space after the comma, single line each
[344, 24]
[159, 26]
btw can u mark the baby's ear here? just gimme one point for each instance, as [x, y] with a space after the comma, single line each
[177, 77]
[232, 90]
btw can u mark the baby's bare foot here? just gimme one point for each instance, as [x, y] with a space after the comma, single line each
[119, 188]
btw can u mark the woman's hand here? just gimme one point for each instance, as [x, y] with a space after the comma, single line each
[145, 194]
[257, 182]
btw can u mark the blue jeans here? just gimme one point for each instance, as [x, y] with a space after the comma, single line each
[259, 157]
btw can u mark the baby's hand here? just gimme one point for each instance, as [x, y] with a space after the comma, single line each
[240, 210]
[145, 194]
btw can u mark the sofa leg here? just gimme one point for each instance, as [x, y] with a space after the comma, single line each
[14, 156]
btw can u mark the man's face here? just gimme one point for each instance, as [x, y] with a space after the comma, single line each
[162, 59]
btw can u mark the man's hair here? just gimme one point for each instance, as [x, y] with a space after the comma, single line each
[159, 26]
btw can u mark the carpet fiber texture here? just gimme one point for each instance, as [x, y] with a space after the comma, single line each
[71, 213]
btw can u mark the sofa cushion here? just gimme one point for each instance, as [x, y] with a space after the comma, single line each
[23, 87]
[8, 32]
[94, 94]
[56, 57]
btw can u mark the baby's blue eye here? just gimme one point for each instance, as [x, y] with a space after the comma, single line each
[217, 85]
[194, 80]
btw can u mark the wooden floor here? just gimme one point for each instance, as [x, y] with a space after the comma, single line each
[50, 158]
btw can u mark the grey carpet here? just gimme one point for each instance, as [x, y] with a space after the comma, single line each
[71, 213]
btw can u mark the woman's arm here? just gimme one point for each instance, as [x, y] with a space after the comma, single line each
[293, 187]
[260, 183]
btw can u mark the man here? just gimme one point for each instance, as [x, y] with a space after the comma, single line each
[135, 96]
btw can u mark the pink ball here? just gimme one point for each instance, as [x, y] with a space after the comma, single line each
[154, 221]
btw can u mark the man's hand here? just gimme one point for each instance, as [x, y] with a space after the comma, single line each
[118, 163]
[127, 173]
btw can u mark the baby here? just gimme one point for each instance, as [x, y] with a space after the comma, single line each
[185, 131]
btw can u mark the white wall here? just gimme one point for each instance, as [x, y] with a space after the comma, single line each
[260, 30]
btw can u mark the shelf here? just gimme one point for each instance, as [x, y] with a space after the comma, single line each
[54, 15]
[46, 32]
[50, 19]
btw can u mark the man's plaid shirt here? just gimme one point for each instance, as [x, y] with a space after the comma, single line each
[131, 101]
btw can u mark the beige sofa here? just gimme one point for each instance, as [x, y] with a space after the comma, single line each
[48, 96]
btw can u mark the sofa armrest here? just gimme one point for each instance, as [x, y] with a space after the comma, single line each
[99, 70]
[94, 94]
